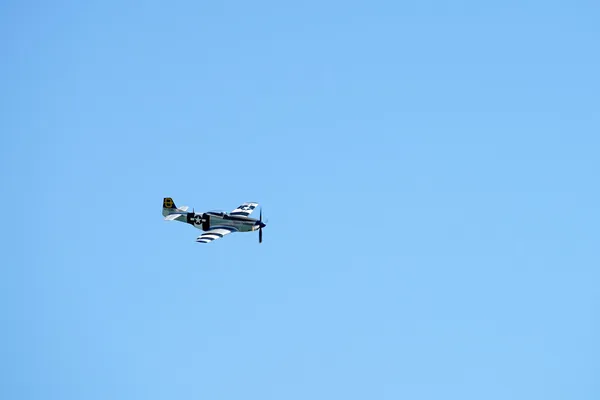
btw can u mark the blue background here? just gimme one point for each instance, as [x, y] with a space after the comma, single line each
[429, 171]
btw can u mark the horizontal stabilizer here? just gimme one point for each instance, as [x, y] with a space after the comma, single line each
[184, 208]
[173, 216]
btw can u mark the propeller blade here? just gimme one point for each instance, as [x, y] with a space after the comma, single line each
[260, 229]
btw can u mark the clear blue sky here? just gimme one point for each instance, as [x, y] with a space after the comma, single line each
[429, 171]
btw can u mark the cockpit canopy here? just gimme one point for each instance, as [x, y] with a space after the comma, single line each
[218, 213]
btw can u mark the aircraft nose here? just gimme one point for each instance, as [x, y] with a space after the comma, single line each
[261, 224]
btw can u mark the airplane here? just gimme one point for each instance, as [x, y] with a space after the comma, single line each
[215, 224]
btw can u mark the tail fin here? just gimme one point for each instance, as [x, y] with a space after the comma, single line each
[171, 212]
[168, 203]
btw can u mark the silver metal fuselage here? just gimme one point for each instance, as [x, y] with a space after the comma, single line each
[222, 219]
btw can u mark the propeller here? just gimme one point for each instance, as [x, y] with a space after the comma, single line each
[260, 229]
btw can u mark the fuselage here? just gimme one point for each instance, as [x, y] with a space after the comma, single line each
[211, 219]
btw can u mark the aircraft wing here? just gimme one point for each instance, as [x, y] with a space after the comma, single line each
[245, 209]
[215, 233]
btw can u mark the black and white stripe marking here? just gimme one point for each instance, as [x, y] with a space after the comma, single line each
[215, 233]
